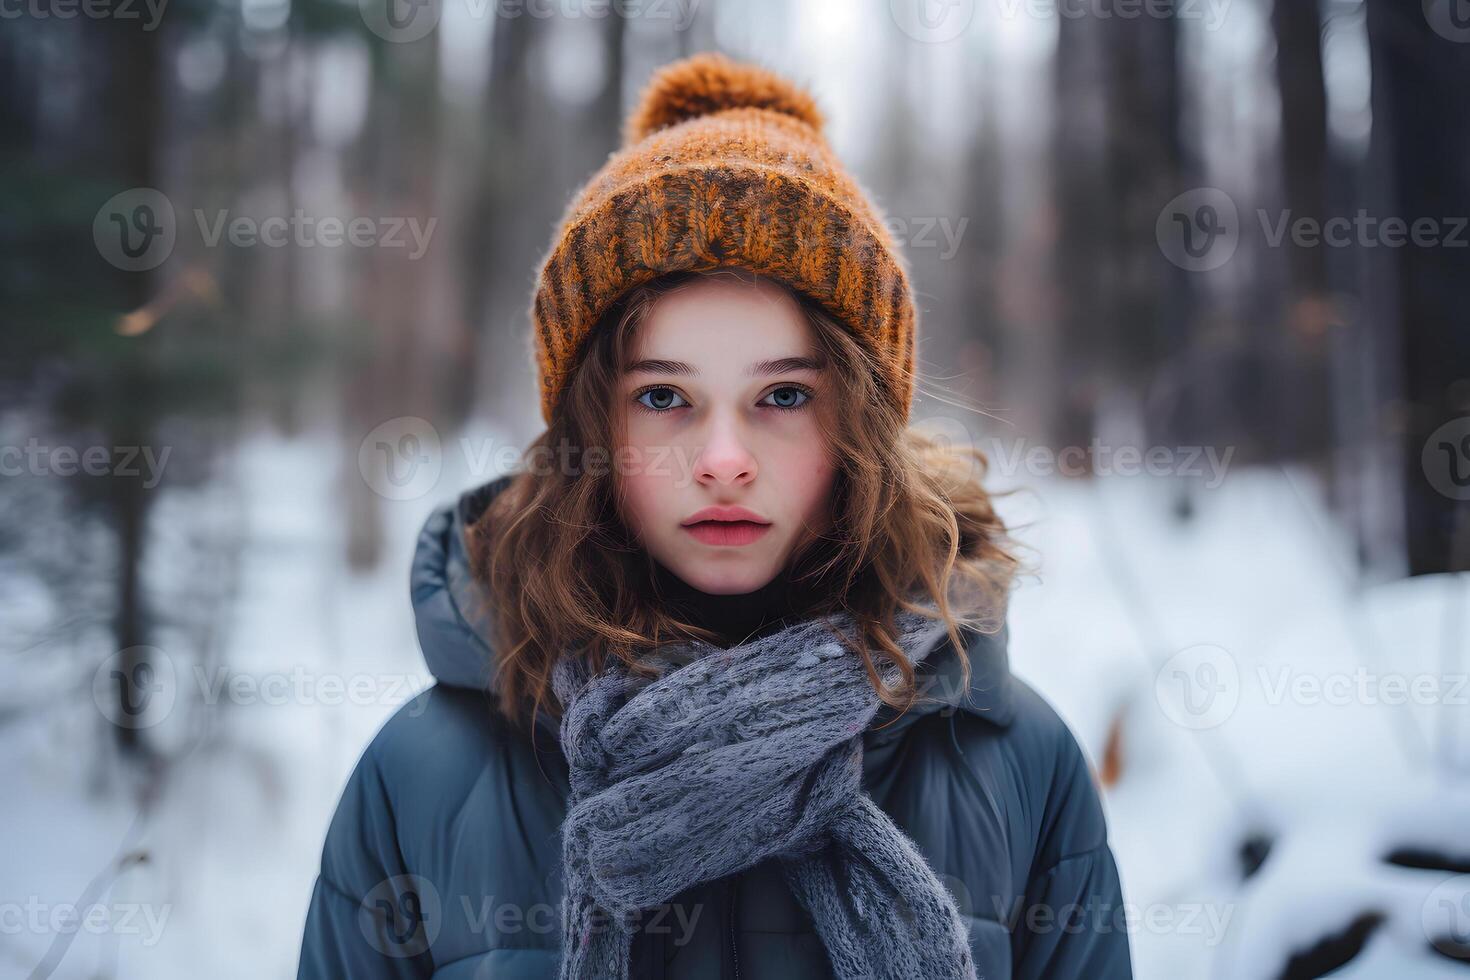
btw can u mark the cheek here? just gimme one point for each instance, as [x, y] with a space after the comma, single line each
[643, 481]
[807, 474]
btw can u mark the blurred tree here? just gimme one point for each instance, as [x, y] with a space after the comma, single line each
[504, 205]
[1122, 313]
[1419, 147]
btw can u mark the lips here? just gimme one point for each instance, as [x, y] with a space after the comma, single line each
[725, 513]
[727, 532]
[726, 525]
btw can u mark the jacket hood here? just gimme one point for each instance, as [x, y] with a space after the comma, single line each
[451, 613]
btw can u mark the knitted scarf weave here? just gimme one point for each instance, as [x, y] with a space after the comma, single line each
[731, 756]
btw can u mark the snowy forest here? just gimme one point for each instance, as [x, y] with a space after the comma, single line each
[1193, 274]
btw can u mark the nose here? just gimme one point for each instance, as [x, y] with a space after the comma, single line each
[725, 458]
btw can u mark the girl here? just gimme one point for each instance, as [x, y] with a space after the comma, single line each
[722, 682]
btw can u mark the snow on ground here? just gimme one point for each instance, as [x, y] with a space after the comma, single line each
[1183, 630]
[1261, 692]
[314, 659]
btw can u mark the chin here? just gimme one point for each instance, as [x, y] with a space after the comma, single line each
[716, 578]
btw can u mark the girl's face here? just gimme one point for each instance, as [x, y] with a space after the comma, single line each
[724, 470]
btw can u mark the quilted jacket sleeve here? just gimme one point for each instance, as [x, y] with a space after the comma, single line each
[1072, 920]
[368, 918]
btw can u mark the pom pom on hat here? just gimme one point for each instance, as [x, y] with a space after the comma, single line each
[708, 83]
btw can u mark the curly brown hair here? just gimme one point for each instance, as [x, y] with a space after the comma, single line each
[912, 527]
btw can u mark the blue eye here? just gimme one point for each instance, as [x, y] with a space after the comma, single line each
[784, 396]
[664, 399]
[663, 395]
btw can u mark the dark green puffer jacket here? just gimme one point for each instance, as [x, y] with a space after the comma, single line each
[444, 858]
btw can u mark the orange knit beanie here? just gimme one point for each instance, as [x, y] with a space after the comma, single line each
[724, 164]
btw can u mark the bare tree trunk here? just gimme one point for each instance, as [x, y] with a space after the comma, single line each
[133, 93]
[1305, 421]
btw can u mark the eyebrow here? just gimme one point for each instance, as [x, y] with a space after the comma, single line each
[759, 369]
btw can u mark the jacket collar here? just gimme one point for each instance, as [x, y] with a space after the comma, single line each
[452, 615]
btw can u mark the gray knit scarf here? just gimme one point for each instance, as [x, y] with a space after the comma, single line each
[726, 758]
